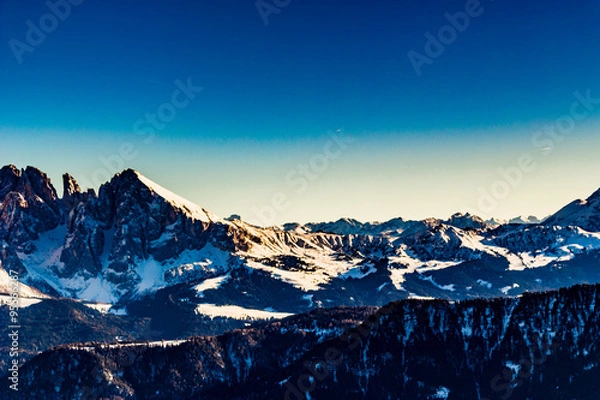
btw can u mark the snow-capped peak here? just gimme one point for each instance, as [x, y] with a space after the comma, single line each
[195, 211]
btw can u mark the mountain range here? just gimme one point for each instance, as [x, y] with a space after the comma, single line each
[133, 261]
[135, 239]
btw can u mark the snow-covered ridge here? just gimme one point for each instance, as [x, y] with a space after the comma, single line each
[195, 211]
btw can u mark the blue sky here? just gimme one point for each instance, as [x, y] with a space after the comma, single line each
[425, 145]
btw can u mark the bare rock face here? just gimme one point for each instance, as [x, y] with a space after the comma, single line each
[9, 176]
[143, 223]
[29, 206]
[84, 243]
[9, 259]
[71, 192]
[41, 187]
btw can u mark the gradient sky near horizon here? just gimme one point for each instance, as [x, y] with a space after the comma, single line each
[426, 145]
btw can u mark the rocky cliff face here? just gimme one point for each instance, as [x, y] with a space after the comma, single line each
[125, 224]
[29, 206]
[104, 236]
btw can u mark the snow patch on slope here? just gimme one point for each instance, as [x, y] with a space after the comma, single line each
[442, 393]
[151, 273]
[437, 285]
[94, 289]
[324, 268]
[359, 272]
[506, 289]
[191, 265]
[301, 280]
[236, 312]
[210, 284]
[42, 264]
[412, 265]
[100, 307]
[206, 262]
[23, 302]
